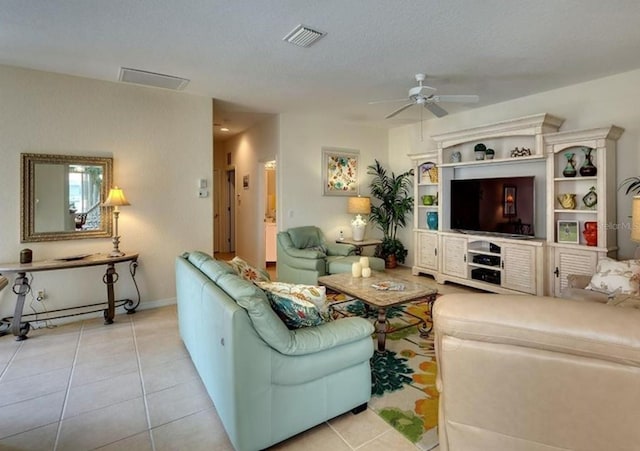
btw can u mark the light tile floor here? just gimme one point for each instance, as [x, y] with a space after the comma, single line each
[131, 386]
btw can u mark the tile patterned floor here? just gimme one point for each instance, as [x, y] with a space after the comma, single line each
[132, 386]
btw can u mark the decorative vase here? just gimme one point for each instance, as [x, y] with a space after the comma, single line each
[588, 169]
[432, 220]
[391, 261]
[590, 233]
[428, 199]
[570, 168]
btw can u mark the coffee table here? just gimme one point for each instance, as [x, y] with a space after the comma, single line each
[361, 288]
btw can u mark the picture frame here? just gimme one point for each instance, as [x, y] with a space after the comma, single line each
[340, 172]
[568, 232]
[509, 201]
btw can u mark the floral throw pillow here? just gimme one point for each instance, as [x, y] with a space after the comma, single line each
[297, 305]
[248, 272]
[616, 277]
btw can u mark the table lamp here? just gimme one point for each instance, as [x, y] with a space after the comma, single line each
[635, 222]
[359, 206]
[116, 199]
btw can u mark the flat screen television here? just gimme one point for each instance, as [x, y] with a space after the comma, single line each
[504, 205]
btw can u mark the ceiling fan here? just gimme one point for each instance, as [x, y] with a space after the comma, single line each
[424, 95]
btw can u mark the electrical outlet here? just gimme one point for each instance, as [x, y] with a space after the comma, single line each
[41, 295]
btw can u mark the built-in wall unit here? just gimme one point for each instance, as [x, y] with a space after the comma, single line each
[581, 175]
[488, 210]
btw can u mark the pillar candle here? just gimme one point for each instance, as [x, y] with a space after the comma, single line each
[356, 270]
[364, 262]
[366, 272]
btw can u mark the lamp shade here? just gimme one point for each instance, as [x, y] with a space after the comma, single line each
[359, 205]
[116, 198]
[635, 219]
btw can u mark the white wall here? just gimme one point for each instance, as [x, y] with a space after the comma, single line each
[598, 103]
[161, 142]
[300, 199]
[249, 152]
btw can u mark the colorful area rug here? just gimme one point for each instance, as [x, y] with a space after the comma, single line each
[404, 377]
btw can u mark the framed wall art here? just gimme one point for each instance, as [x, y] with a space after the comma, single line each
[339, 172]
[568, 232]
[509, 201]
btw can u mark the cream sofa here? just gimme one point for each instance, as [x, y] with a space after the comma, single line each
[524, 373]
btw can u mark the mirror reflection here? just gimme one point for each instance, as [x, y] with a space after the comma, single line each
[62, 197]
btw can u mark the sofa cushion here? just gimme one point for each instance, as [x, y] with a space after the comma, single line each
[213, 269]
[248, 272]
[625, 300]
[280, 294]
[304, 237]
[293, 306]
[613, 276]
[265, 321]
[197, 258]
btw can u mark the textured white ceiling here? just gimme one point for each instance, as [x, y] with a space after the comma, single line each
[233, 50]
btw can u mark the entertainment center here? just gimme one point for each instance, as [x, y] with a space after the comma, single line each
[513, 222]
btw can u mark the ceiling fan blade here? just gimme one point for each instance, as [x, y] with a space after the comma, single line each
[456, 98]
[436, 109]
[387, 101]
[399, 110]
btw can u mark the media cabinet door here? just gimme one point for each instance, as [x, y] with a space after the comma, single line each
[427, 250]
[519, 268]
[454, 256]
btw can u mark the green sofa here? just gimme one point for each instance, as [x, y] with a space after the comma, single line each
[267, 382]
[304, 255]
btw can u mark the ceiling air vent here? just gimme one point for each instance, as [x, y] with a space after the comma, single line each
[142, 77]
[303, 36]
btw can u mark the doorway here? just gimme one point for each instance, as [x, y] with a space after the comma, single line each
[270, 200]
[230, 209]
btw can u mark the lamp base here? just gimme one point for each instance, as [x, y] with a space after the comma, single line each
[357, 233]
[116, 252]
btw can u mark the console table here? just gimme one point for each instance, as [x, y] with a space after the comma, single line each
[21, 288]
[359, 244]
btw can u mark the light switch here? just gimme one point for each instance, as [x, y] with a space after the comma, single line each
[202, 184]
[203, 193]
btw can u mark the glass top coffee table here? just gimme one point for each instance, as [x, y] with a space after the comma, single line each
[383, 297]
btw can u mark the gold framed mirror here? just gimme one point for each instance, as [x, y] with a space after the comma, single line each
[62, 197]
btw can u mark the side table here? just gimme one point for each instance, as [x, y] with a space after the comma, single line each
[360, 244]
[21, 287]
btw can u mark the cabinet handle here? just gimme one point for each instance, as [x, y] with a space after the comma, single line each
[557, 272]
[465, 258]
[502, 264]
[435, 251]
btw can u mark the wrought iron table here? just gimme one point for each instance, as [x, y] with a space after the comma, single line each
[21, 287]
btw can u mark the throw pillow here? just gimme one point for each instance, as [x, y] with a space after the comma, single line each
[248, 272]
[613, 276]
[297, 305]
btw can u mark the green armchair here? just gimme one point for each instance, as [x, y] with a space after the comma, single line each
[304, 255]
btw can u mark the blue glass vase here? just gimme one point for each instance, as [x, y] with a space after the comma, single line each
[432, 220]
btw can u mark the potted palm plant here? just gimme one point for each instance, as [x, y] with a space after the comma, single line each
[389, 214]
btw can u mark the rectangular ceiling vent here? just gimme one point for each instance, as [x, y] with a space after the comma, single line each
[303, 36]
[142, 77]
